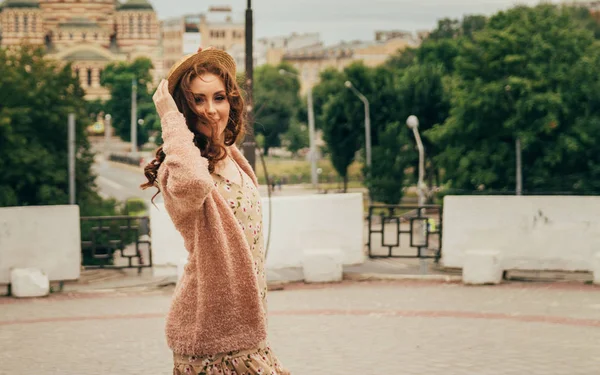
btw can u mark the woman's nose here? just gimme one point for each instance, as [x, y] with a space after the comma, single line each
[211, 110]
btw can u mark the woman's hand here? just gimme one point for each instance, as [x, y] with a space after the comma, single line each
[163, 100]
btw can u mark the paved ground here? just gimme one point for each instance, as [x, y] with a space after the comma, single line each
[361, 328]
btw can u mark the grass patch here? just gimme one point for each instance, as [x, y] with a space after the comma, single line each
[297, 171]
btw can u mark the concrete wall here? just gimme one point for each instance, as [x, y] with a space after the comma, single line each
[44, 237]
[531, 233]
[301, 222]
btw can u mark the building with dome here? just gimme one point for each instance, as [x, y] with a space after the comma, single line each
[88, 34]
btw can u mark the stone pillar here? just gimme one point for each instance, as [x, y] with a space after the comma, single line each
[95, 77]
[82, 75]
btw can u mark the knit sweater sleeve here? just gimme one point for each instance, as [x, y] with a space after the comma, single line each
[184, 173]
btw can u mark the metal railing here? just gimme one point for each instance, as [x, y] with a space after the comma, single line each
[406, 231]
[116, 242]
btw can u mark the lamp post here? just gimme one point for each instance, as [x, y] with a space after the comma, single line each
[367, 121]
[413, 123]
[133, 116]
[518, 152]
[250, 142]
[107, 135]
[311, 130]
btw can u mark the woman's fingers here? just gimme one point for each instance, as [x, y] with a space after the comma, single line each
[159, 94]
[163, 100]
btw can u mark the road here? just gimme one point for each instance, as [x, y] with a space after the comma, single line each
[399, 328]
[122, 181]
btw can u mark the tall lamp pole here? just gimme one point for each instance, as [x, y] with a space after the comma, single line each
[311, 131]
[250, 142]
[413, 123]
[367, 121]
[107, 135]
[133, 116]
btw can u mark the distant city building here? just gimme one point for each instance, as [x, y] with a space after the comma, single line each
[88, 34]
[222, 28]
[271, 50]
[311, 61]
[219, 27]
[180, 36]
[593, 5]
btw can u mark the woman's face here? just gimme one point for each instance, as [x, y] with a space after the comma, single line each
[210, 98]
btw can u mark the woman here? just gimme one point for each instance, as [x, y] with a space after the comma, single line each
[217, 320]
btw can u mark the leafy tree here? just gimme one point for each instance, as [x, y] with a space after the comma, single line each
[423, 91]
[390, 160]
[118, 77]
[36, 97]
[329, 85]
[515, 80]
[402, 59]
[296, 138]
[276, 101]
[343, 115]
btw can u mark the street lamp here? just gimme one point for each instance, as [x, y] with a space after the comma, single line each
[311, 130]
[107, 135]
[141, 122]
[133, 116]
[249, 144]
[413, 123]
[349, 85]
[519, 166]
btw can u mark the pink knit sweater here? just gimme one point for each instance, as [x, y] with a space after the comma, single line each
[216, 307]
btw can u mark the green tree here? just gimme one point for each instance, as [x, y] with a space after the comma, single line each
[118, 78]
[36, 97]
[515, 80]
[391, 158]
[276, 102]
[296, 138]
[329, 85]
[423, 92]
[342, 115]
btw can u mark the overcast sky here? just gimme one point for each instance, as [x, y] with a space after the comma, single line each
[339, 20]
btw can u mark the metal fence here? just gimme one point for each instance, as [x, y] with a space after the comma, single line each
[116, 242]
[405, 231]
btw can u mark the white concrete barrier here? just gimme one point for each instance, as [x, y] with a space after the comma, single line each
[529, 232]
[29, 282]
[332, 221]
[324, 221]
[168, 250]
[322, 265]
[44, 237]
[482, 267]
[596, 268]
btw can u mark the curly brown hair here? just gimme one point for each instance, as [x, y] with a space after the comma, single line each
[210, 147]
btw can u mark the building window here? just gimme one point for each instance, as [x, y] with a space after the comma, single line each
[130, 25]
[34, 24]
[59, 36]
[16, 24]
[77, 73]
[70, 36]
[25, 24]
[95, 36]
[89, 77]
[148, 24]
[83, 36]
[140, 25]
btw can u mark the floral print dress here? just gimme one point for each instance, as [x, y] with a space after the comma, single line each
[246, 205]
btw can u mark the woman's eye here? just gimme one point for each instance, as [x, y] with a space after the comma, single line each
[220, 98]
[198, 100]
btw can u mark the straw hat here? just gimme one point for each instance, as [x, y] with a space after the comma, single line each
[209, 55]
